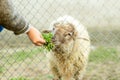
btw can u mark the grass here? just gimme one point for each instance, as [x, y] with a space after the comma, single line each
[19, 78]
[1, 69]
[103, 37]
[48, 37]
[103, 54]
[22, 55]
[100, 54]
[103, 64]
[43, 77]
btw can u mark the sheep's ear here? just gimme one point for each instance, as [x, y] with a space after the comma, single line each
[46, 31]
[57, 24]
[75, 33]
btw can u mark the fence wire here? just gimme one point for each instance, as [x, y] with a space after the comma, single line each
[21, 60]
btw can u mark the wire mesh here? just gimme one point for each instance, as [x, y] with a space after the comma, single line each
[21, 60]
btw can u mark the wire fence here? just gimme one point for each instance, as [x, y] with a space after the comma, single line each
[21, 60]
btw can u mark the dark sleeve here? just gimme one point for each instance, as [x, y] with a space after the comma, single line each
[10, 19]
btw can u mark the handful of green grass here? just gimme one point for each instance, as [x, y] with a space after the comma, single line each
[48, 37]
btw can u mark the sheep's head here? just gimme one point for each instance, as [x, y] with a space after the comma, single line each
[63, 34]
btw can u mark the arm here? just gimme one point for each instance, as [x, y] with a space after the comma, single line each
[10, 19]
[14, 22]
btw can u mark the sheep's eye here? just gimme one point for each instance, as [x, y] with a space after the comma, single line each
[70, 34]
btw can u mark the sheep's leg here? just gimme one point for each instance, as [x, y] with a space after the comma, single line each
[55, 72]
[79, 75]
[68, 76]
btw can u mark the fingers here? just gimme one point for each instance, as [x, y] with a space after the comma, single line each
[35, 36]
[39, 42]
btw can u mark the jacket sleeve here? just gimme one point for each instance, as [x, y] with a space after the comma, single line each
[10, 19]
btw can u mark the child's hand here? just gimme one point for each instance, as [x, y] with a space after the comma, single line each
[35, 36]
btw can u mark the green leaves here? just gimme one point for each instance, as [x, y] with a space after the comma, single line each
[48, 36]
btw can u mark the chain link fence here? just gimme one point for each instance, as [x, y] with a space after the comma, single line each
[21, 60]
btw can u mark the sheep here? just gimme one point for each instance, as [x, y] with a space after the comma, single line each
[69, 56]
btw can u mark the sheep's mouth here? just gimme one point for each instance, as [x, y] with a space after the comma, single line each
[55, 42]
